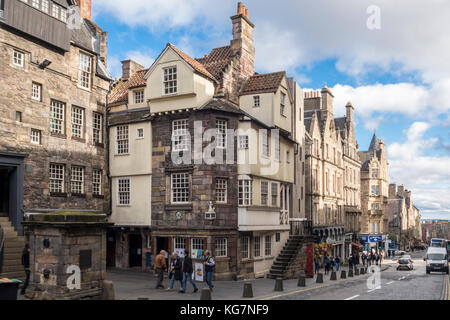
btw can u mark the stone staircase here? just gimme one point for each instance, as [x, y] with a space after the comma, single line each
[289, 252]
[12, 251]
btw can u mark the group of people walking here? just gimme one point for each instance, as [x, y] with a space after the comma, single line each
[182, 270]
[329, 263]
[333, 263]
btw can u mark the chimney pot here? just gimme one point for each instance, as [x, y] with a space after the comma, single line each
[246, 13]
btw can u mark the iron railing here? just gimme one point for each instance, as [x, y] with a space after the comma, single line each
[300, 227]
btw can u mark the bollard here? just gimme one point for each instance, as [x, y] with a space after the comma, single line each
[248, 290]
[363, 271]
[350, 272]
[301, 282]
[333, 275]
[205, 295]
[278, 284]
[319, 278]
[356, 272]
[343, 274]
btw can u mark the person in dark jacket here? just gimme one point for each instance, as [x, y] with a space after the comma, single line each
[176, 273]
[26, 265]
[327, 263]
[209, 263]
[188, 269]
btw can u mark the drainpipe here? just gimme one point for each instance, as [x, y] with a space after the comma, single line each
[107, 148]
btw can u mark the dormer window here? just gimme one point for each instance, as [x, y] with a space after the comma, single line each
[139, 96]
[170, 80]
[256, 101]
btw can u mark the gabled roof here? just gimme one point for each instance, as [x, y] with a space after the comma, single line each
[263, 83]
[119, 94]
[218, 104]
[129, 116]
[217, 60]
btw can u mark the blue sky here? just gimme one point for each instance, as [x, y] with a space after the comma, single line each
[397, 76]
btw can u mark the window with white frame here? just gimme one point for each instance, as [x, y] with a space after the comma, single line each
[63, 15]
[180, 135]
[180, 186]
[179, 243]
[123, 190]
[77, 180]
[122, 139]
[374, 173]
[138, 96]
[283, 104]
[265, 143]
[36, 91]
[274, 194]
[55, 11]
[256, 101]
[35, 136]
[268, 246]
[35, 3]
[221, 247]
[264, 193]
[170, 80]
[18, 58]
[57, 118]
[245, 244]
[77, 122]
[140, 133]
[196, 244]
[257, 246]
[221, 190]
[277, 149]
[245, 192]
[56, 174]
[221, 133]
[243, 142]
[44, 6]
[375, 190]
[97, 182]
[97, 127]
[84, 71]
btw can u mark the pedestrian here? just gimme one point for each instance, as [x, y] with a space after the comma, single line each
[209, 263]
[176, 273]
[160, 267]
[317, 264]
[187, 272]
[377, 258]
[327, 263]
[356, 260]
[350, 261]
[332, 263]
[26, 266]
[337, 260]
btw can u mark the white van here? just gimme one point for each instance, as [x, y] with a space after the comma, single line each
[437, 260]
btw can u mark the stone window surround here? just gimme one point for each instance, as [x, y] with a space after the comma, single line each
[123, 192]
[221, 247]
[36, 91]
[18, 58]
[187, 190]
[221, 185]
[169, 78]
[85, 70]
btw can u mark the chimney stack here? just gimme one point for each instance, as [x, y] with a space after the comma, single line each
[85, 9]
[349, 108]
[130, 67]
[392, 190]
[327, 101]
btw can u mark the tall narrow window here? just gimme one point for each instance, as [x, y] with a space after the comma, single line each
[97, 182]
[264, 193]
[180, 135]
[77, 180]
[257, 246]
[44, 6]
[123, 190]
[170, 80]
[63, 15]
[77, 122]
[18, 58]
[36, 90]
[256, 101]
[55, 11]
[221, 133]
[180, 186]
[97, 126]
[221, 247]
[245, 252]
[35, 136]
[274, 194]
[264, 143]
[35, 3]
[283, 104]
[84, 71]
[57, 111]
[245, 192]
[277, 149]
[243, 142]
[56, 174]
[221, 190]
[268, 246]
[122, 139]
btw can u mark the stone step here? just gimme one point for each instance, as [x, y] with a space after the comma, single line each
[12, 256]
[13, 250]
[4, 220]
[278, 267]
[12, 262]
[15, 243]
[3, 214]
[14, 268]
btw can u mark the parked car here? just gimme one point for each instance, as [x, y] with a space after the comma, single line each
[437, 260]
[405, 263]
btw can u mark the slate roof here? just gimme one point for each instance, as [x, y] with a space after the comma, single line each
[374, 144]
[340, 123]
[263, 83]
[218, 104]
[217, 60]
[119, 94]
[129, 116]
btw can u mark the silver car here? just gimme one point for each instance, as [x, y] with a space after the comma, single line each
[405, 263]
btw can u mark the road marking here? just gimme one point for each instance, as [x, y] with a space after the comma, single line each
[352, 297]
[402, 278]
[390, 282]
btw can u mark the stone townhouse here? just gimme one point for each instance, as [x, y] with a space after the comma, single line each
[325, 170]
[374, 194]
[215, 105]
[53, 84]
[352, 182]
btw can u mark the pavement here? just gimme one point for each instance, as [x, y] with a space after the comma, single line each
[134, 284]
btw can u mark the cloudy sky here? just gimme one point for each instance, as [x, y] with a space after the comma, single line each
[397, 76]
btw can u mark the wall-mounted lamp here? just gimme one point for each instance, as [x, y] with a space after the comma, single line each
[44, 64]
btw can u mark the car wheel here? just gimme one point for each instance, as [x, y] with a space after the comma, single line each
[428, 272]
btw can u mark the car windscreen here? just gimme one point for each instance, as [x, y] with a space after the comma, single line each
[436, 256]
[403, 261]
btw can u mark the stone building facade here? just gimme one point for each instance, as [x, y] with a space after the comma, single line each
[374, 191]
[52, 112]
[325, 170]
